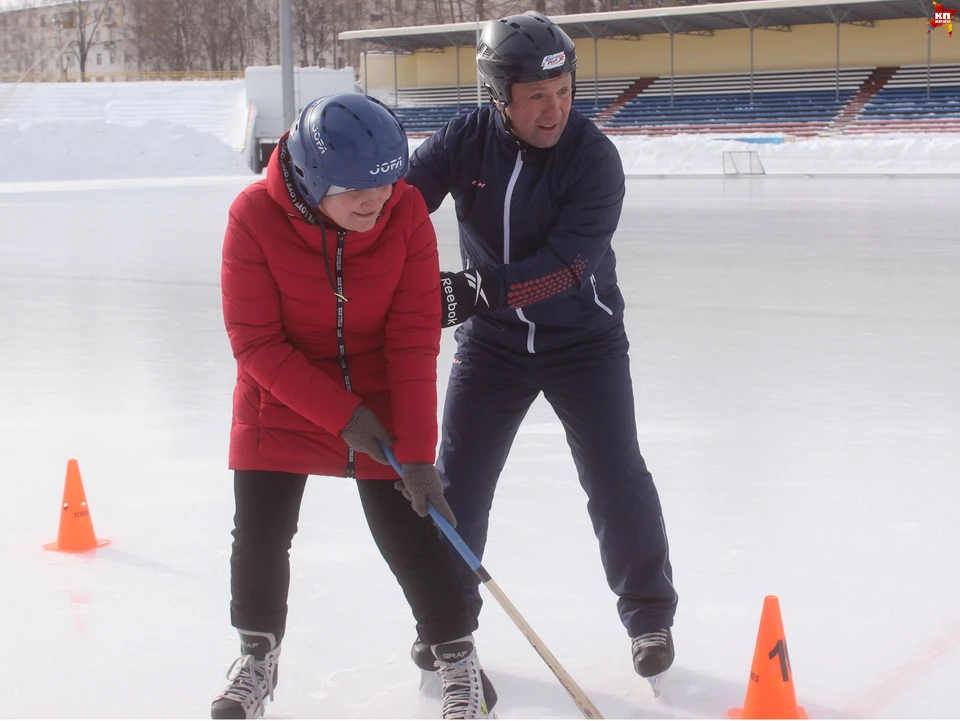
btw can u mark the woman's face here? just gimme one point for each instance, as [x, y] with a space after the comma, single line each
[356, 209]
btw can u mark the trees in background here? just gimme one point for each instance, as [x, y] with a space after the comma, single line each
[229, 35]
[232, 34]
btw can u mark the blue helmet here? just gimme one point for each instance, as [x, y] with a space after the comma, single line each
[346, 142]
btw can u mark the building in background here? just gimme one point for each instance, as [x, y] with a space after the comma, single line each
[64, 41]
[57, 40]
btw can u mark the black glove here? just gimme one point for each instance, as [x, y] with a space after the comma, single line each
[467, 293]
[421, 483]
[364, 432]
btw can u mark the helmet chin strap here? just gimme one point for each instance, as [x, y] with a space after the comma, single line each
[507, 124]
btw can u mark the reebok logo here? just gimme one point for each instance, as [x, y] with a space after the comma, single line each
[475, 282]
[449, 301]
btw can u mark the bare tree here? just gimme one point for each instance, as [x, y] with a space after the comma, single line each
[261, 28]
[165, 34]
[220, 30]
[79, 22]
[311, 26]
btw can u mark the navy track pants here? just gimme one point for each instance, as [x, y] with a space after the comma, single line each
[590, 389]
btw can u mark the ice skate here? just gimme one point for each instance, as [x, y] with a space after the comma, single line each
[467, 692]
[652, 655]
[252, 678]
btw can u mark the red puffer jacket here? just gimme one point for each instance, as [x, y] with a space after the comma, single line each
[290, 401]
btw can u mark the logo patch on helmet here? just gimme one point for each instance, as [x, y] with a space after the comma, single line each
[554, 61]
[318, 139]
[388, 166]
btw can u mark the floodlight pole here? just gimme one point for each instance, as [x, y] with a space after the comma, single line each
[838, 61]
[286, 62]
[752, 22]
[596, 72]
[671, 68]
[671, 27]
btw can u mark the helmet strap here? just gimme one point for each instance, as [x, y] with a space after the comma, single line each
[507, 123]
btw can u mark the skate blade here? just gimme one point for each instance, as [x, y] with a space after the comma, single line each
[430, 684]
[657, 683]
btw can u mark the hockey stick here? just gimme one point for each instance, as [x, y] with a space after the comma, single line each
[566, 680]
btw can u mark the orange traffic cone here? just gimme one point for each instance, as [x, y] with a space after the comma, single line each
[76, 526]
[770, 693]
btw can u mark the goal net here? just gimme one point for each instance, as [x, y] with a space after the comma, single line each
[742, 162]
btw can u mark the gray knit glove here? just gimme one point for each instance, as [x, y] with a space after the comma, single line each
[364, 433]
[421, 483]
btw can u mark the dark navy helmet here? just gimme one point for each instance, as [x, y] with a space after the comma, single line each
[523, 49]
[346, 142]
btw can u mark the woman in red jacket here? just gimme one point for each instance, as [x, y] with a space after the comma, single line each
[330, 284]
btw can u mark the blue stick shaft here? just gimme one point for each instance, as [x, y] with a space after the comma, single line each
[462, 548]
[566, 680]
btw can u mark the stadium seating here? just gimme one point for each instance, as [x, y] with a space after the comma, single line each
[913, 101]
[795, 102]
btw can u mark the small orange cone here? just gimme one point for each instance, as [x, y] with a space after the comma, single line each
[76, 526]
[770, 693]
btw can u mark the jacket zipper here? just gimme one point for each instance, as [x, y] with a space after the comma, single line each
[532, 328]
[350, 471]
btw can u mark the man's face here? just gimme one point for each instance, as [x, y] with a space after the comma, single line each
[539, 110]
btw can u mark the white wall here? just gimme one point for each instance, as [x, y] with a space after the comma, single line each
[265, 90]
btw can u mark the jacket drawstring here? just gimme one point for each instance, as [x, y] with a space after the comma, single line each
[326, 260]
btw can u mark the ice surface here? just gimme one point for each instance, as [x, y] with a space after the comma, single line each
[794, 349]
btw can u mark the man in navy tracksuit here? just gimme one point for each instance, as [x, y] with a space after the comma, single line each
[538, 191]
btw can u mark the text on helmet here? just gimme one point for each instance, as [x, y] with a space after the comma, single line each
[318, 139]
[388, 166]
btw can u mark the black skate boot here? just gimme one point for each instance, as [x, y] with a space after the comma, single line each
[423, 657]
[252, 678]
[467, 692]
[652, 656]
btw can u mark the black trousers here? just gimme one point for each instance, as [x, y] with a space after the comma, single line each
[591, 391]
[267, 512]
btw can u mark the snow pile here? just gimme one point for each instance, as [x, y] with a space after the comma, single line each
[95, 149]
[74, 131]
[868, 154]
[96, 131]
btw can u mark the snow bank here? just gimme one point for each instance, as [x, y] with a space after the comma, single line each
[92, 150]
[854, 155]
[73, 131]
[96, 131]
